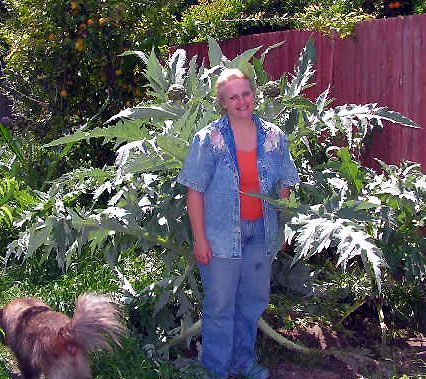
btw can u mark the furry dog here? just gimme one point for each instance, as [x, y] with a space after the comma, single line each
[49, 342]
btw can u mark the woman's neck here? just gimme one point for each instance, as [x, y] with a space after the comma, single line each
[241, 123]
[245, 133]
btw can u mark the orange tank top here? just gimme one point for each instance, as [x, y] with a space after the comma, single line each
[250, 207]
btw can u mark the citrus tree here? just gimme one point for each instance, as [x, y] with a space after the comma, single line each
[61, 58]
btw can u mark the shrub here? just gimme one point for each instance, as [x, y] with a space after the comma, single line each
[339, 16]
[419, 6]
[62, 60]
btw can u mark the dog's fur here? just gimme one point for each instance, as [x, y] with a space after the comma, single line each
[48, 342]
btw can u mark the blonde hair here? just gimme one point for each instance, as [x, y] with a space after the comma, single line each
[230, 74]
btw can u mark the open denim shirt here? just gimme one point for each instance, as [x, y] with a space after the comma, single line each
[211, 167]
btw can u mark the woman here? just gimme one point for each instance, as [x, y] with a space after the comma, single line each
[235, 235]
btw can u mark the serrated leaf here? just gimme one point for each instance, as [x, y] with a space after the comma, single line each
[150, 164]
[262, 76]
[300, 103]
[186, 126]
[269, 49]
[124, 131]
[174, 147]
[177, 65]
[161, 302]
[241, 61]
[150, 112]
[155, 75]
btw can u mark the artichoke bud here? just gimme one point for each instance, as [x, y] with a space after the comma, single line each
[271, 89]
[176, 92]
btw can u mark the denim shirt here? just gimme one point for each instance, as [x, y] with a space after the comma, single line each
[211, 167]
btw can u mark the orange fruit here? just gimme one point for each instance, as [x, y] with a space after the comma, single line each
[79, 44]
[75, 5]
[103, 20]
[90, 22]
[63, 93]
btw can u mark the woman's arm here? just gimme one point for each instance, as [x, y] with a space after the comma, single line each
[284, 194]
[195, 204]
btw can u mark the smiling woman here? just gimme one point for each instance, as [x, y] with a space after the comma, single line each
[235, 243]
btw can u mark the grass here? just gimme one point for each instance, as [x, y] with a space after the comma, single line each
[90, 273]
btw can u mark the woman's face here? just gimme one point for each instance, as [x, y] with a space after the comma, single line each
[237, 98]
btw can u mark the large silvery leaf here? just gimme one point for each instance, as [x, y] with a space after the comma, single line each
[241, 61]
[354, 243]
[174, 147]
[155, 74]
[216, 56]
[396, 117]
[177, 65]
[319, 234]
[187, 124]
[124, 131]
[304, 70]
[149, 163]
[151, 112]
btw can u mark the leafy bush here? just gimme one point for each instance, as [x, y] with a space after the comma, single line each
[213, 18]
[340, 16]
[223, 19]
[419, 6]
[62, 63]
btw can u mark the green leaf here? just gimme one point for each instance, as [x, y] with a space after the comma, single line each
[299, 102]
[137, 53]
[123, 131]
[155, 74]
[216, 56]
[6, 215]
[177, 65]
[9, 140]
[262, 76]
[174, 147]
[269, 49]
[242, 61]
[304, 70]
[150, 112]
[396, 117]
[144, 163]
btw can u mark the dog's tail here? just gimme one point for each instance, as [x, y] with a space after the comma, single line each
[96, 323]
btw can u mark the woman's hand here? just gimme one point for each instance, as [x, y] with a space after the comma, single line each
[202, 251]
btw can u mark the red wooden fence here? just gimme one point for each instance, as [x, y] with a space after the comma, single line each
[384, 62]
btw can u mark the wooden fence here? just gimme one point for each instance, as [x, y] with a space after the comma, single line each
[384, 62]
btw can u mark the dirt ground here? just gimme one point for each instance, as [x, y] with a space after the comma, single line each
[340, 358]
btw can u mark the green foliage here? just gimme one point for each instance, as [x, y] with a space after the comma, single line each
[92, 273]
[138, 205]
[62, 61]
[419, 6]
[226, 19]
[326, 17]
[213, 18]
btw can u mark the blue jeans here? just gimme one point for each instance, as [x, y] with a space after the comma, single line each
[236, 292]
